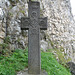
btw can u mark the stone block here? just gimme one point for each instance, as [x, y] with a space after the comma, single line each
[25, 72]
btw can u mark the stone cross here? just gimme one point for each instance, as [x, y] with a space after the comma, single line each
[33, 24]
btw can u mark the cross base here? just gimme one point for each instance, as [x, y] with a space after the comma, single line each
[25, 72]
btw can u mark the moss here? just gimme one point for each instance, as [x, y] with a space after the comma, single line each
[22, 11]
[41, 12]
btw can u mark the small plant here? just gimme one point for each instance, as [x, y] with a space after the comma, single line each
[22, 11]
[7, 40]
[4, 47]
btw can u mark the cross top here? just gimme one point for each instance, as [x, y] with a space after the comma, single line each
[33, 17]
[33, 23]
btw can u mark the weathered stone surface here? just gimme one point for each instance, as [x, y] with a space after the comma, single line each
[72, 67]
[61, 25]
[1, 14]
[44, 45]
[33, 24]
[2, 32]
[25, 72]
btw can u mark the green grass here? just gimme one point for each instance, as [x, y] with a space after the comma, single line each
[17, 61]
[50, 64]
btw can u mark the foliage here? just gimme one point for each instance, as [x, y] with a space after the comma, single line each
[22, 11]
[4, 47]
[50, 64]
[7, 40]
[19, 60]
[15, 62]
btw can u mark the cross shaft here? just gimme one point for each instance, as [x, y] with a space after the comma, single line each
[33, 24]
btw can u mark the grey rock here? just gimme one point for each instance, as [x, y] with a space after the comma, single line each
[1, 14]
[25, 72]
[44, 45]
[72, 67]
[2, 3]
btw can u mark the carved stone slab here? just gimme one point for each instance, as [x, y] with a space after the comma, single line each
[34, 23]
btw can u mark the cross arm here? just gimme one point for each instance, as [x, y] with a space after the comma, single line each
[25, 22]
[43, 23]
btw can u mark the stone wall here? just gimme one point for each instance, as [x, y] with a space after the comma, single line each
[60, 25]
[60, 33]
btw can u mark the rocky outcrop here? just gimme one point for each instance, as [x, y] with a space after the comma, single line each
[71, 65]
[60, 33]
[2, 24]
[60, 25]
